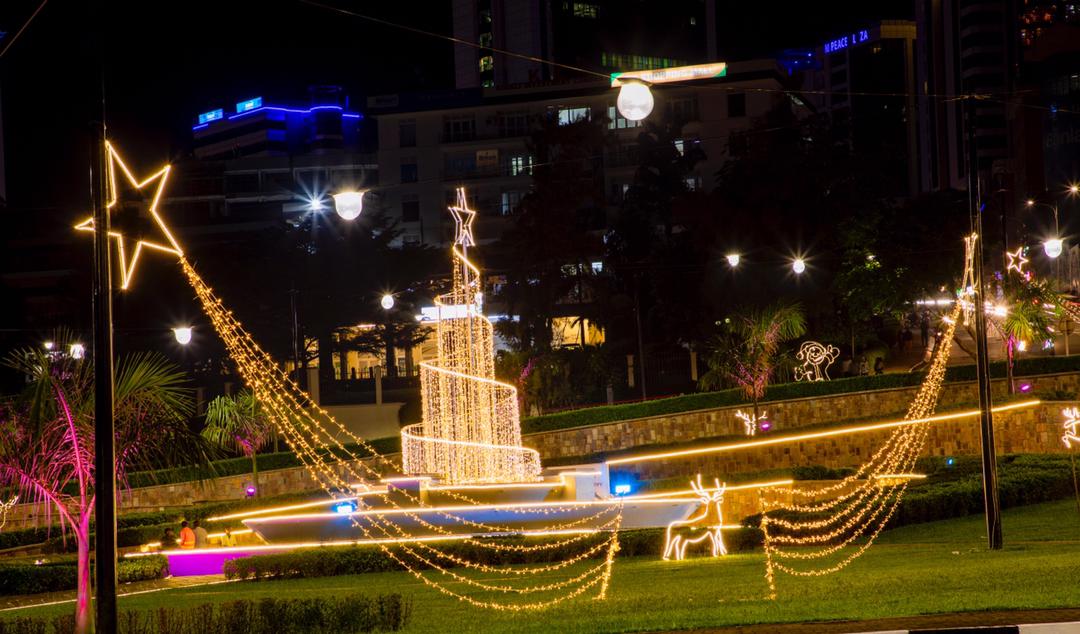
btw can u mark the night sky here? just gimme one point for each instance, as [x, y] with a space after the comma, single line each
[169, 60]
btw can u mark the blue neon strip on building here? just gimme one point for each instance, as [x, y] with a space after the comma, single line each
[261, 108]
[250, 104]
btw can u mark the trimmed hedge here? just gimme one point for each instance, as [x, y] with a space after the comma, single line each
[241, 466]
[783, 391]
[63, 575]
[350, 560]
[956, 490]
[333, 615]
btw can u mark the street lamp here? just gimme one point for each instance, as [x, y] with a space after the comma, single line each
[733, 259]
[349, 204]
[77, 351]
[1052, 247]
[387, 301]
[48, 345]
[635, 100]
[799, 266]
[182, 334]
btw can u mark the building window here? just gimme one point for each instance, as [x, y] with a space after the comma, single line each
[514, 124]
[459, 129]
[680, 146]
[510, 202]
[692, 182]
[619, 122]
[683, 109]
[410, 208]
[521, 165]
[620, 61]
[736, 105]
[409, 173]
[585, 10]
[572, 115]
[407, 133]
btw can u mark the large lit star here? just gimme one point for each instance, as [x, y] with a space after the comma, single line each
[1016, 261]
[463, 219]
[127, 266]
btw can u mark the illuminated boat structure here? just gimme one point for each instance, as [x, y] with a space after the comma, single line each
[420, 507]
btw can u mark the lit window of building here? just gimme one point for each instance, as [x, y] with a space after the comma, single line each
[618, 122]
[572, 115]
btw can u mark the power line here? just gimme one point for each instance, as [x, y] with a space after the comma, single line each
[23, 28]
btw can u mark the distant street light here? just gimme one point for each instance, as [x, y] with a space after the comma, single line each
[48, 345]
[799, 266]
[635, 100]
[349, 204]
[77, 351]
[315, 204]
[387, 301]
[183, 335]
[733, 259]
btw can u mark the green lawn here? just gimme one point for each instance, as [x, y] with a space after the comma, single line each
[930, 568]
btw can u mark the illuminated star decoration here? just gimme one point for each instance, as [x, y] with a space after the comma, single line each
[463, 219]
[1017, 261]
[127, 266]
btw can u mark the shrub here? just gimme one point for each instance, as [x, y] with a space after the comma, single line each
[323, 615]
[349, 560]
[62, 575]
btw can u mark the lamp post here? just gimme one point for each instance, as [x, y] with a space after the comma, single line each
[104, 429]
[982, 362]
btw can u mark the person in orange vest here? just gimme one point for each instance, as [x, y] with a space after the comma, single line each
[187, 536]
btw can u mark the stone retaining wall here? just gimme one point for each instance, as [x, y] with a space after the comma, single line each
[1032, 430]
[784, 415]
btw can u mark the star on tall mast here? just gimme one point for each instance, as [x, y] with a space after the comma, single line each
[463, 219]
[169, 245]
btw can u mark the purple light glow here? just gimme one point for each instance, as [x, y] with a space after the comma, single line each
[250, 490]
[191, 563]
[765, 425]
[1025, 387]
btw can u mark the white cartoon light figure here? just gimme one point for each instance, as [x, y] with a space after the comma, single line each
[704, 525]
[750, 421]
[5, 507]
[1072, 426]
[816, 358]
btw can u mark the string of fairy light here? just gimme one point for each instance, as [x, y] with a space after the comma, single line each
[819, 523]
[299, 421]
[471, 436]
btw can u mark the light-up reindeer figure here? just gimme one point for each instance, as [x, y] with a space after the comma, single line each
[704, 525]
[5, 507]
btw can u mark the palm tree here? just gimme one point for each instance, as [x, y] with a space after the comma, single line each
[47, 438]
[238, 422]
[749, 357]
[1025, 312]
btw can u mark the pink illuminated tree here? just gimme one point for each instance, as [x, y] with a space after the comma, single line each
[47, 438]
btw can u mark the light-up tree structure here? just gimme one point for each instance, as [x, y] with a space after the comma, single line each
[471, 431]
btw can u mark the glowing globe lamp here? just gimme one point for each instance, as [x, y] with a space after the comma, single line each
[798, 266]
[77, 350]
[764, 425]
[387, 301]
[250, 490]
[635, 100]
[48, 345]
[1052, 247]
[349, 204]
[733, 259]
[183, 335]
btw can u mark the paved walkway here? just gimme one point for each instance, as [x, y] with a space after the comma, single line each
[137, 587]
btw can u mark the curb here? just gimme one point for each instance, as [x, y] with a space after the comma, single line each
[1036, 628]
